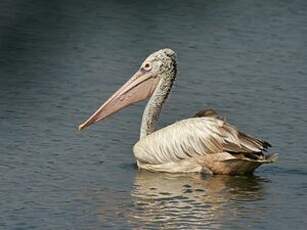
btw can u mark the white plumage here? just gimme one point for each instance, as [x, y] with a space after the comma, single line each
[199, 144]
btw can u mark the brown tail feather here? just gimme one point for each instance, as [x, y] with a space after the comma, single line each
[270, 158]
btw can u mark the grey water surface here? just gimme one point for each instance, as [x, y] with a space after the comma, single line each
[60, 59]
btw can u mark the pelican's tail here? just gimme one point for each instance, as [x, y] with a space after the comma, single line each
[270, 158]
[262, 159]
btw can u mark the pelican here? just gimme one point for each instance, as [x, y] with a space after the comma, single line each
[203, 143]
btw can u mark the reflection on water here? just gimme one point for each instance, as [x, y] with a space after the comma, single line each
[190, 200]
[183, 201]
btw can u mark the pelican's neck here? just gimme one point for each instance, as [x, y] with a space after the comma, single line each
[154, 105]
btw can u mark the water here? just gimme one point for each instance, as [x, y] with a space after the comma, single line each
[59, 60]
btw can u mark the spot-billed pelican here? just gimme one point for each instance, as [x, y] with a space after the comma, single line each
[203, 143]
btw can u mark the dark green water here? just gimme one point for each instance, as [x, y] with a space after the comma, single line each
[59, 60]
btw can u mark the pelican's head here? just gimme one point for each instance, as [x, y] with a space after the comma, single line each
[157, 67]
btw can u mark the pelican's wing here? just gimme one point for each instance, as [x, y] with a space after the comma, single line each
[195, 137]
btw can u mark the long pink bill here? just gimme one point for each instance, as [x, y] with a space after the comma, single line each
[138, 88]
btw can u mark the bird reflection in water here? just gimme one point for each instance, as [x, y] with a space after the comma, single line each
[191, 200]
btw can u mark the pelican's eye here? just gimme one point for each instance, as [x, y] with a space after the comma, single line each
[147, 66]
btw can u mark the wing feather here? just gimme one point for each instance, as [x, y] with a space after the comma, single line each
[196, 137]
